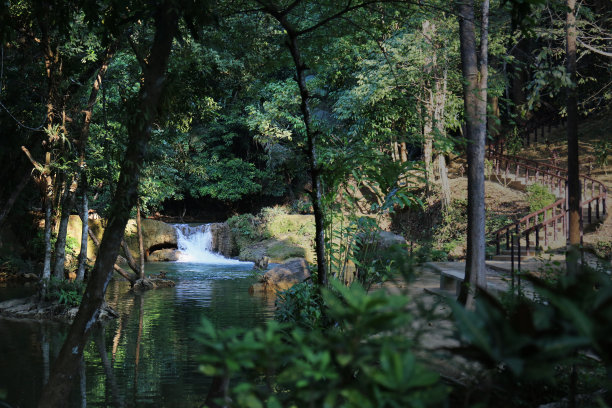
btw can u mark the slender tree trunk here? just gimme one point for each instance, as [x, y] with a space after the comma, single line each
[440, 124]
[444, 185]
[404, 152]
[130, 259]
[46, 275]
[60, 243]
[573, 165]
[475, 72]
[130, 277]
[140, 242]
[84, 136]
[139, 130]
[84, 229]
[311, 141]
[429, 30]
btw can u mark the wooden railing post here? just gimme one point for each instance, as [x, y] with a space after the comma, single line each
[497, 250]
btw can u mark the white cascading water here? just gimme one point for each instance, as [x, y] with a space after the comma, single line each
[195, 245]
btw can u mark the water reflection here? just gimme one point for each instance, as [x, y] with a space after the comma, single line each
[146, 357]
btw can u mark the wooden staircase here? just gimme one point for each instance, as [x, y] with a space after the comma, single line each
[547, 228]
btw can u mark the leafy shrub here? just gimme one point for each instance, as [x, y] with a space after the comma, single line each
[301, 206]
[245, 228]
[538, 197]
[533, 345]
[603, 249]
[300, 305]
[514, 143]
[65, 292]
[363, 360]
[602, 150]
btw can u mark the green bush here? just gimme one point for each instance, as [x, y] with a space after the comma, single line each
[531, 346]
[363, 360]
[538, 197]
[65, 292]
[300, 305]
[603, 149]
[245, 228]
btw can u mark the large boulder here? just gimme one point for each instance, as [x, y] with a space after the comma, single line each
[381, 241]
[163, 255]
[276, 250]
[156, 235]
[283, 276]
[222, 241]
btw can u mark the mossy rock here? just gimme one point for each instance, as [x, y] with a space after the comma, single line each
[156, 235]
[284, 249]
[276, 250]
[95, 225]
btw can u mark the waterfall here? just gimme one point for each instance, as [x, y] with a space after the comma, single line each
[195, 245]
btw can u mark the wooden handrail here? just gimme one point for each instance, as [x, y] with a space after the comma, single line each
[522, 226]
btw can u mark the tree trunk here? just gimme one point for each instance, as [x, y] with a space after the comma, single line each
[140, 242]
[46, 275]
[84, 229]
[60, 243]
[429, 69]
[444, 185]
[139, 129]
[130, 259]
[573, 165]
[84, 136]
[475, 72]
[130, 277]
[311, 141]
[440, 124]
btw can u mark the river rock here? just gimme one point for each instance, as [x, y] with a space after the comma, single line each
[163, 255]
[384, 240]
[156, 235]
[283, 276]
[262, 263]
[222, 241]
[145, 284]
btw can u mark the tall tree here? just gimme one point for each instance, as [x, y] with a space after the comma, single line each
[474, 65]
[139, 128]
[573, 165]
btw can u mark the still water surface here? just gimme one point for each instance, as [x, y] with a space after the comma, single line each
[146, 357]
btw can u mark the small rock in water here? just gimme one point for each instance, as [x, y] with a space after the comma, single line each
[143, 284]
[262, 263]
[283, 276]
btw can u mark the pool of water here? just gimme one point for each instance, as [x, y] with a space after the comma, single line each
[146, 357]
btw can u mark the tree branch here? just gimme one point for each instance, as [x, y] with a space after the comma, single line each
[595, 50]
